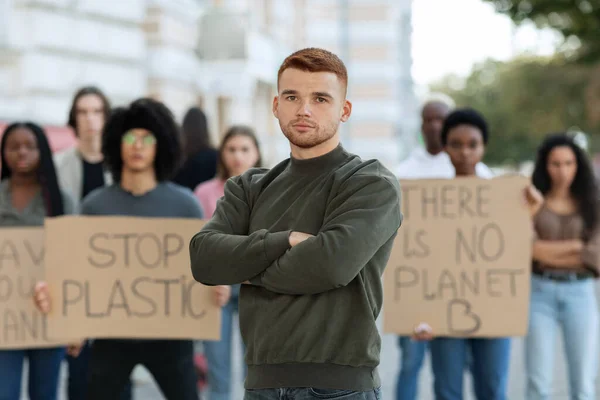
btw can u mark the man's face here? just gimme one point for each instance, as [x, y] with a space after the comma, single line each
[138, 150]
[433, 116]
[310, 106]
[89, 116]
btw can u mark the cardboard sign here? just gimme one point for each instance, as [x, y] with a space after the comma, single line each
[21, 266]
[461, 261]
[126, 277]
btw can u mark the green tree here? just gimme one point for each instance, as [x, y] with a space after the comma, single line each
[523, 100]
[577, 20]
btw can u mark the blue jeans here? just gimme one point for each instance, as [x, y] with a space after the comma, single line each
[412, 356]
[78, 375]
[489, 366]
[218, 355]
[44, 368]
[569, 307]
[310, 394]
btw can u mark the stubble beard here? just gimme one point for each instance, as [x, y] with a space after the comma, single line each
[313, 138]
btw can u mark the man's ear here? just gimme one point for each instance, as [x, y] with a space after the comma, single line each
[275, 105]
[346, 111]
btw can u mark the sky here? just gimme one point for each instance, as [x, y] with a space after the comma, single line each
[450, 36]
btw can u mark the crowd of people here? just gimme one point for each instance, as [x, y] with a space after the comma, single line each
[133, 161]
[563, 203]
[298, 250]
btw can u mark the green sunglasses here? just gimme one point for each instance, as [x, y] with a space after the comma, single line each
[130, 138]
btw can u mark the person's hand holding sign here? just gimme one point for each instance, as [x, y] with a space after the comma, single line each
[534, 200]
[41, 298]
[423, 332]
[222, 294]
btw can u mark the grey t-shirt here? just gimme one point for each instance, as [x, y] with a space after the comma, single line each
[166, 200]
[33, 214]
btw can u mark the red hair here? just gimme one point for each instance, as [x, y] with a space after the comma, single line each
[315, 60]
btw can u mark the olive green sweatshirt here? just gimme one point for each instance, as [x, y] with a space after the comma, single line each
[308, 316]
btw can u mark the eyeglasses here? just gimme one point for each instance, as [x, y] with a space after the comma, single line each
[131, 138]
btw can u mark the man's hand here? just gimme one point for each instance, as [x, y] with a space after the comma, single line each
[222, 294]
[41, 297]
[298, 237]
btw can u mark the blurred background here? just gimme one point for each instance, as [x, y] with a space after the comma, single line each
[530, 66]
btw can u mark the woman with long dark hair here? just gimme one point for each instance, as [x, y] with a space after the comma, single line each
[29, 192]
[566, 261]
[239, 151]
[199, 156]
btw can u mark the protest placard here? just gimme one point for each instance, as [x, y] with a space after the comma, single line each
[461, 260]
[126, 277]
[21, 266]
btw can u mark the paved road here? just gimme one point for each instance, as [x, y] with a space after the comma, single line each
[145, 388]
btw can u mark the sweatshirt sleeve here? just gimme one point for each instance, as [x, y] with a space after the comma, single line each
[359, 221]
[223, 253]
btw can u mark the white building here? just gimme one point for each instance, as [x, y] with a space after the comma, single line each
[373, 39]
[222, 55]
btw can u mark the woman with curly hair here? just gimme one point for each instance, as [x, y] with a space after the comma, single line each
[566, 262]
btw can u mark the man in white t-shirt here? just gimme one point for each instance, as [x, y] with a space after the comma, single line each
[422, 163]
[431, 161]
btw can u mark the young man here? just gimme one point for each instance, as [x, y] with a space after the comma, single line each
[310, 238]
[80, 170]
[434, 163]
[141, 147]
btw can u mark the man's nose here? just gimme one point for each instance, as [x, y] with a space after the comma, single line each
[304, 109]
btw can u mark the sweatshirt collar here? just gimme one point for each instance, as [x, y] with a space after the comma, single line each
[319, 164]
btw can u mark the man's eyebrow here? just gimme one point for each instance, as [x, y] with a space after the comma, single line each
[322, 94]
[316, 94]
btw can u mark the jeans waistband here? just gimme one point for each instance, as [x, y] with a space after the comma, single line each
[563, 276]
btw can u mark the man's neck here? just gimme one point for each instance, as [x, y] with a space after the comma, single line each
[434, 151]
[91, 149]
[138, 183]
[300, 153]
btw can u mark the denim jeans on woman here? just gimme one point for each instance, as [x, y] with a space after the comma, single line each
[411, 361]
[44, 369]
[569, 307]
[489, 360]
[219, 353]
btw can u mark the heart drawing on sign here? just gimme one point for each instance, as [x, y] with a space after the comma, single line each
[461, 320]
